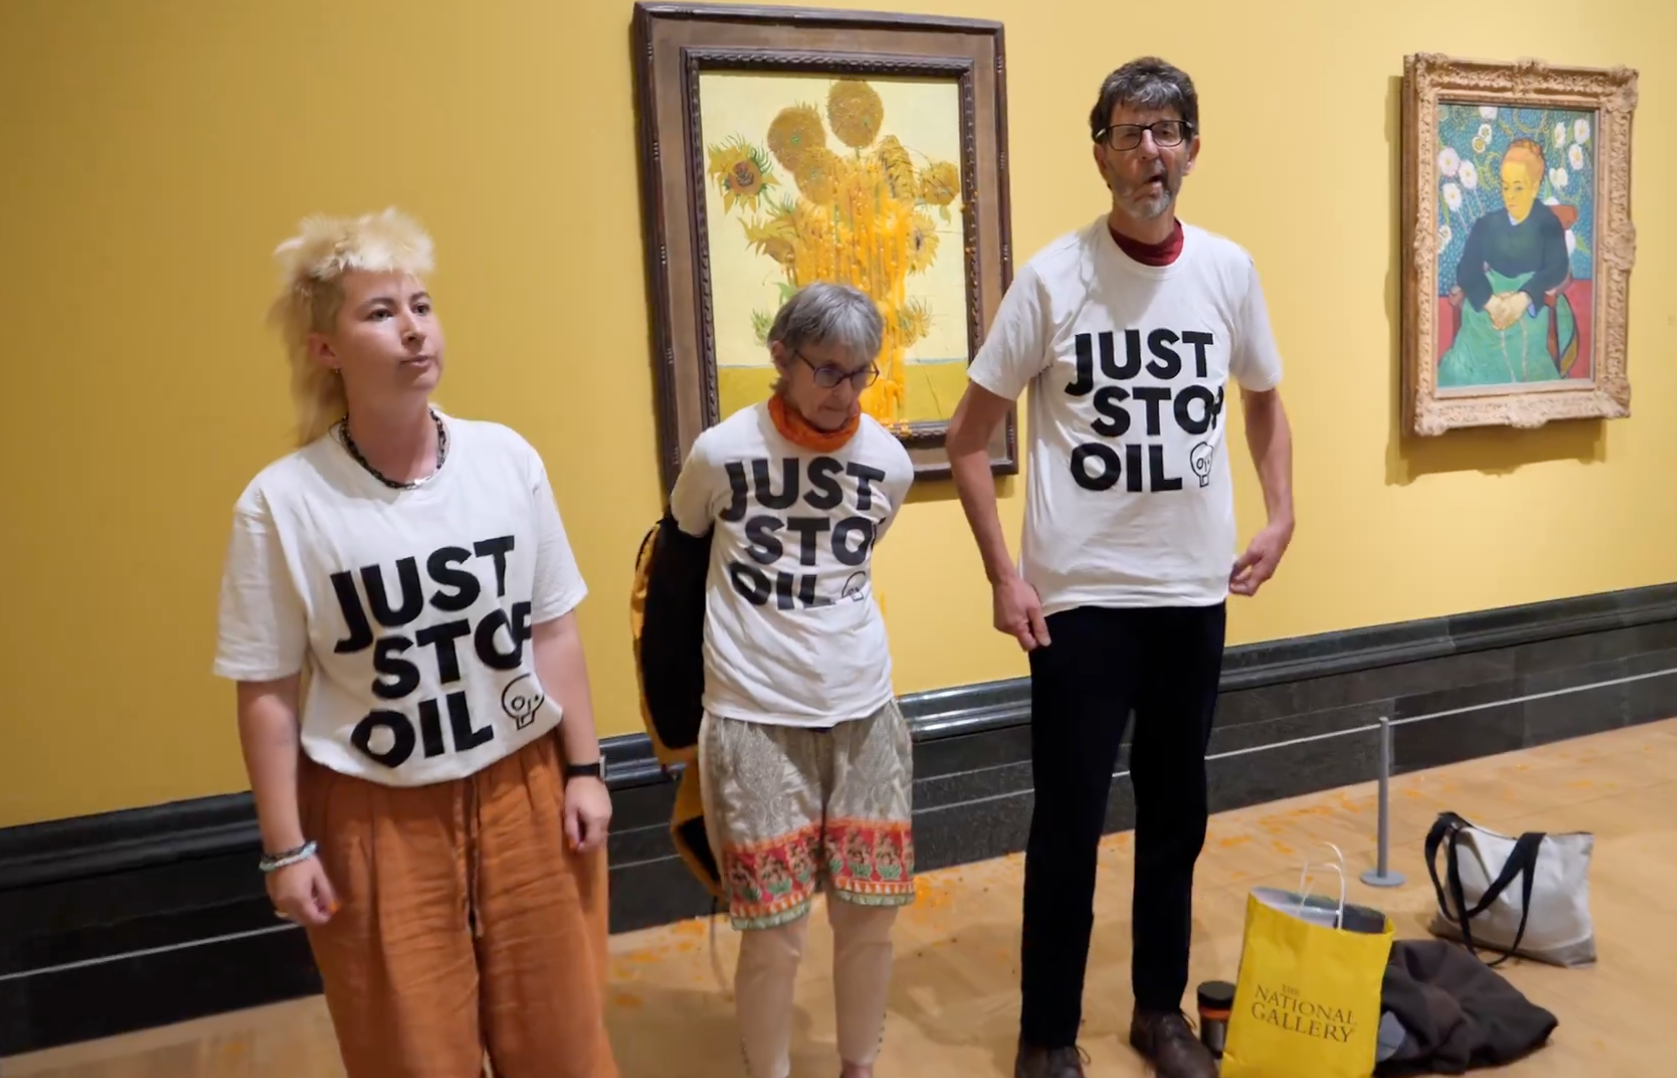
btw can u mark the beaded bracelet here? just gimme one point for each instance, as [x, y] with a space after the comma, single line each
[277, 861]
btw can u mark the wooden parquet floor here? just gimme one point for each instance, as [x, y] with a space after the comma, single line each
[954, 1004]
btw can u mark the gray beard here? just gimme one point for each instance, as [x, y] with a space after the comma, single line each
[1154, 206]
[1150, 207]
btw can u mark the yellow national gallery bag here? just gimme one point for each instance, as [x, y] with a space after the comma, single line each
[1307, 999]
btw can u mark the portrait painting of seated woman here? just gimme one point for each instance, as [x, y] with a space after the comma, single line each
[1516, 208]
[1514, 241]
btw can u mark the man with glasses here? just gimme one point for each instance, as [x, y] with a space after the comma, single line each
[1126, 332]
[804, 759]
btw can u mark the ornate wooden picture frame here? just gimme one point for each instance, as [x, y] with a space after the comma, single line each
[1516, 209]
[784, 145]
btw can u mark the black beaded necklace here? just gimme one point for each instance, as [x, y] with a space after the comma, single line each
[355, 451]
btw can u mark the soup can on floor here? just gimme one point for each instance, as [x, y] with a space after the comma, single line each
[1216, 1000]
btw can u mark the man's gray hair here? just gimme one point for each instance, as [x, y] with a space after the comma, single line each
[1148, 83]
[826, 313]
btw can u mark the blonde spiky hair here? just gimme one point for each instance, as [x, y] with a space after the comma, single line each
[312, 264]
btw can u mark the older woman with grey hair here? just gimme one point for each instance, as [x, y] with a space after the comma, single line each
[803, 755]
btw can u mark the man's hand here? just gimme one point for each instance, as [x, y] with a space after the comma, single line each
[1270, 438]
[1018, 612]
[587, 813]
[1015, 606]
[1262, 557]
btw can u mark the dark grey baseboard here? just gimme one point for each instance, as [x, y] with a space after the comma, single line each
[135, 918]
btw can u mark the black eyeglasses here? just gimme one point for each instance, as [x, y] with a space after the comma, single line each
[829, 377]
[1128, 136]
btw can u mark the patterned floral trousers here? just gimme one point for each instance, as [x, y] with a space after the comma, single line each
[792, 811]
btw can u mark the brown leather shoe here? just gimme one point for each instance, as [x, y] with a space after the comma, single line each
[1168, 1042]
[1035, 1062]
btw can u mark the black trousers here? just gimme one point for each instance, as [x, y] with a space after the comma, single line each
[1165, 664]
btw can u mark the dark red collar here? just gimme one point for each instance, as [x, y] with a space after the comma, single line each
[1150, 254]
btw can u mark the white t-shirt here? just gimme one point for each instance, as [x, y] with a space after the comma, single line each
[1129, 500]
[793, 635]
[411, 610]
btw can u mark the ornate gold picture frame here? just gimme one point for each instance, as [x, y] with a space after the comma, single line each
[784, 145]
[1516, 209]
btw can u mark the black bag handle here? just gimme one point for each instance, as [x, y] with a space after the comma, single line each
[1446, 823]
[1522, 862]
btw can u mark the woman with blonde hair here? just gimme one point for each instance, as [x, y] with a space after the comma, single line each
[398, 612]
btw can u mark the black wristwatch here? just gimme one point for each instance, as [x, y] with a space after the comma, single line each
[594, 770]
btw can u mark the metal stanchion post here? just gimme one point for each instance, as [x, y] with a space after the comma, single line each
[1382, 875]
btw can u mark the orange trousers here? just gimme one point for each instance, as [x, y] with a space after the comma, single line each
[467, 930]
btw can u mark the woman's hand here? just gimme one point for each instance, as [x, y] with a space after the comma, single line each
[587, 813]
[268, 735]
[1505, 308]
[302, 893]
[557, 644]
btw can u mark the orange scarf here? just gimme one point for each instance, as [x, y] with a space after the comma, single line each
[797, 430]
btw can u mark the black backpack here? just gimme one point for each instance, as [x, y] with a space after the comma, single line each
[667, 620]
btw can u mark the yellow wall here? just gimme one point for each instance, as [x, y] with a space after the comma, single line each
[152, 154]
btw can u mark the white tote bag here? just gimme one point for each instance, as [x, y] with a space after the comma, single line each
[1528, 896]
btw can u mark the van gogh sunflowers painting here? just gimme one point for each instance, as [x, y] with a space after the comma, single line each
[838, 179]
[781, 146]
